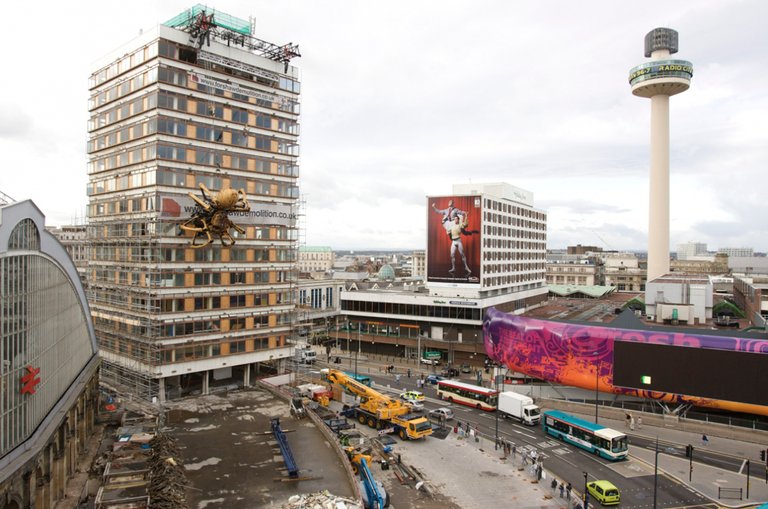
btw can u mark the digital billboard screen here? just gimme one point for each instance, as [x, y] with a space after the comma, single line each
[453, 239]
[701, 372]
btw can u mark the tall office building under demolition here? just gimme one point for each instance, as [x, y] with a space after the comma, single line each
[198, 100]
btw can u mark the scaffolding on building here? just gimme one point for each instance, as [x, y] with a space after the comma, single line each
[204, 23]
[123, 313]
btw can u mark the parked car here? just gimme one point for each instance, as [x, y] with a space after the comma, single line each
[466, 368]
[450, 372]
[431, 362]
[442, 412]
[433, 379]
[412, 395]
[604, 492]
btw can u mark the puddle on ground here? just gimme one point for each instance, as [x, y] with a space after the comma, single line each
[177, 416]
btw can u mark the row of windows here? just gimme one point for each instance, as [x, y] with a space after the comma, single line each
[179, 78]
[241, 116]
[123, 135]
[511, 267]
[513, 209]
[514, 221]
[175, 101]
[516, 244]
[412, 310]
[569, 279]
[174, 230]
[173, 278]
[180, 255]
[511, 232]
[129, 108]
[185, 154]
[512, 255]
[123, 65]
[176, 179]
[176, 52]
[139, 351]
[513, 279]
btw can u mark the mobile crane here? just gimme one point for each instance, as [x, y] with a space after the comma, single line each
[382, 412]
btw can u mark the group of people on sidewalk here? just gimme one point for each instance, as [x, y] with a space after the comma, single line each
[630, 421]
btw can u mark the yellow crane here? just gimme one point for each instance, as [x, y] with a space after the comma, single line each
[380, 411]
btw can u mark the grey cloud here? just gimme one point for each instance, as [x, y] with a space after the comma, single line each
[582, 207]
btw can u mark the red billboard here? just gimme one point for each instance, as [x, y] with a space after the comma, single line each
[453, 239]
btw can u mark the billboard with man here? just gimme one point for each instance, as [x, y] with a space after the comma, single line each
[453, 239]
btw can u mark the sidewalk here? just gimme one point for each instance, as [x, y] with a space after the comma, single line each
[474, 476]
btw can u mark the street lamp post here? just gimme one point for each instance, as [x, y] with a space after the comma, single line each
[497, 410]
[597, 378]
[656, 473]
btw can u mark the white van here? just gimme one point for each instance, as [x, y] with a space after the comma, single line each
[307, 356]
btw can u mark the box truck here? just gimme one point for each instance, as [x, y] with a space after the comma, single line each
[520, 407]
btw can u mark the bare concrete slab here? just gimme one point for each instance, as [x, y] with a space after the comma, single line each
[232, 458]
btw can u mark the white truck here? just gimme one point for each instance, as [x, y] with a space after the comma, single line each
[520, 407]
[305, 353]
[307, 356]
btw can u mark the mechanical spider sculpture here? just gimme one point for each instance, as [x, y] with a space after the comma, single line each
[213, 215]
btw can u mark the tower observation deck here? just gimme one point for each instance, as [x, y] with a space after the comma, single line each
[658, 80]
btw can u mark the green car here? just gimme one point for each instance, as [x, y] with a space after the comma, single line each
[604, 492]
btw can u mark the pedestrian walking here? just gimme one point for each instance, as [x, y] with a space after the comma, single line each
[632, 424]
[397, 377]
[568, 491]
[626, 420]
[525, 458]
[409, 372]
[562, 489]
[639, 422]
[704, 440]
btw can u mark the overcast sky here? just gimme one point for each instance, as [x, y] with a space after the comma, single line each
[401, 100]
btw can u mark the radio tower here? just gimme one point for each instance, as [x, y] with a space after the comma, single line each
[658, 80]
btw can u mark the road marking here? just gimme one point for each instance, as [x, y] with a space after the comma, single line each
[532, 437]
[743, 464]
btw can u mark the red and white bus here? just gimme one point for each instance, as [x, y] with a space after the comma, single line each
[468, 394]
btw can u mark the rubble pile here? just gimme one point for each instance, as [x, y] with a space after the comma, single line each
[320, 500]
[167, 474]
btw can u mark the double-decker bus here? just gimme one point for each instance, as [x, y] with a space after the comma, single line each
[467, 394]
[602, 441]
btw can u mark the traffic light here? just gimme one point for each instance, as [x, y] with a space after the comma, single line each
[688, 450]
[762, 455]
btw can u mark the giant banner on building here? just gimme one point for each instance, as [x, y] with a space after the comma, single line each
[649, 364]
[261, 214]
[453, 239]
